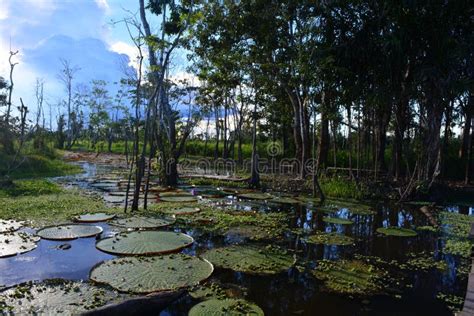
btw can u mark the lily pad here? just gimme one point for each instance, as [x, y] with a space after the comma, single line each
[182, 210]
[250, 259]
[93, 218]
[225, 307]
[53, 297]
[396, 231]
[179, 198]
[337, 220]
[141, 222]
[9, 225]
[330, 239]
[256, 196]
[15, 243]
[143, 275]
[145, 243]
[68, 232]
[285, 200]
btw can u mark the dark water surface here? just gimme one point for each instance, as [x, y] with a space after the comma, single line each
[291, 293]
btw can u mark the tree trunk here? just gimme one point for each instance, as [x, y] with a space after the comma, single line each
[255, 176]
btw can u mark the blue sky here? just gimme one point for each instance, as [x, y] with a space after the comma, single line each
[78, 30]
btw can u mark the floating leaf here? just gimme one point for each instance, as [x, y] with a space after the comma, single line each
[396, 231]
[9, 225]
[67, 232]
[143, 275]
[330, 239]
[182, 210]
[52, 297]
[225, 307]
[336, 220]
[256, 196]
[179, 198]
[141, 222]
[145, 243]
[94, 217]
[250, 259]
[285, 200]
[15, 243]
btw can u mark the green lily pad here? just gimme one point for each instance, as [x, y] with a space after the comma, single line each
[250, 259]
[179, 198]
[350, 277]
[232, 307]
[355, 207]
[206, 292]
[396, 231]
[330, 239]
[175, 193]
[143, 275]
[68, 232]
[93, 218]
[141, 222]
[9, 225]
[145, 243]
[15, 243]
[285, 200]
[336, 220]
[182, 210]
[255, 196]
[53, 297]
[461, 248]
[254, 232]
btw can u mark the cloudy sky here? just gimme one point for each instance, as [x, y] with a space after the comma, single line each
[43, 31]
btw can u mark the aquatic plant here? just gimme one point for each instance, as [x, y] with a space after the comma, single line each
[68, 232]
[225, 307]
[181, 210]
[142, 222]
[10, 225]
[396, 231]
[14, 243]
[461, 248]
[337, 220]
[145, 243]
[93, 217]
[256, 196]
[143, 275]
[176, 199]
[423, 261]
[332, 238]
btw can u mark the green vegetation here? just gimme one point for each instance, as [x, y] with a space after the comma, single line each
[397, 231]
[69, 232]
[330, 239]
[231, 307]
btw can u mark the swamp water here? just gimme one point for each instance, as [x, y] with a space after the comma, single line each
[412, 275]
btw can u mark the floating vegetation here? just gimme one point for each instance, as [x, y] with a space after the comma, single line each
[174, 193]
[337, 220]
[351, 277]
[143, 275]
[250, 259]
[9, 225]
[176, 199]
[396, 231]
[256, 196]
[355, 208]
[423, 262]
[461, 248]
[253, 232]
[52, 297]
[455, 224]
[94, 217]
[206, 292]
[145, 243]
[308, 199]
[68, 232]
[428, 228]
[15, 243]
[285, 200]
[453, 302]
[330, 239]
[142, 222]
[182, 210]
[225, 307]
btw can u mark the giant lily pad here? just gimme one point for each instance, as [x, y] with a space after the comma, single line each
[68, 232]
[330, 239]
[93, 218]
[350, 277]
[215, 307]
[53, 297]
[178, 198]
[250, 259]
[175, 193]
[141, 222]
[12, 244]
[285, 200]
[255, 196]
[396, 231]
[145, 243]
[9, 225]
[143, 275]
[182, 210]
[337, 220]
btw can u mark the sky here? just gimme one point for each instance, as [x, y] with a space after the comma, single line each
[81, 31]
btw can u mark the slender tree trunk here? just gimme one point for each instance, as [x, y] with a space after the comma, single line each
[255, 176]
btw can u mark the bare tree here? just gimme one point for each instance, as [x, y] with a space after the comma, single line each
[66, 76]
[10, 88]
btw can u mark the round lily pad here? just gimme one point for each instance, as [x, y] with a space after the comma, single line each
[93, 218]
[232, 307]
[337, 220]
[141, 222]
[330, 239]
[15, 243]
[255, 196]
[285, 200]
[182, 210]
[397, 231]
[250, 259]
[179, 198]
[53, 297]
[68, 232]
[175, 193]
[143, 275]
[145, 243]
[9, 225]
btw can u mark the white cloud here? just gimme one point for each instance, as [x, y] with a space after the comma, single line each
[127, 49]
[3, 11]
[103, 4]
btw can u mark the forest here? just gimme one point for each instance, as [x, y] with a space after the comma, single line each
[315, 142]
